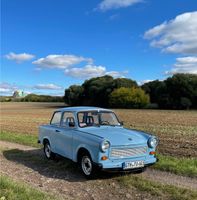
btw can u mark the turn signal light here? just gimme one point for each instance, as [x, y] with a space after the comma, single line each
[152, 153]
[104, 158]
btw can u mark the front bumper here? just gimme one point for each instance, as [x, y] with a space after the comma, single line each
[117, 165]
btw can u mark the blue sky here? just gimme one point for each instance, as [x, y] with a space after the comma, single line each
[48, 45]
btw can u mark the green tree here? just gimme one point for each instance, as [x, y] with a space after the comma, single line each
[97, 90]
[155, 89]
[124, 82]
[128, 98]
[185, 103]
[74, 95]
[182, 86]
[176, 92]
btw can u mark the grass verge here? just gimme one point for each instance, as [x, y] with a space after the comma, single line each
[157, 189]
[20, 138]
[10, 190]
[180, 166]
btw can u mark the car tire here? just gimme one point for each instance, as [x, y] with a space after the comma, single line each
[47, 151]
[87, 166]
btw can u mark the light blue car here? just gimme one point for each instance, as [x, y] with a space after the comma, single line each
[96, 139]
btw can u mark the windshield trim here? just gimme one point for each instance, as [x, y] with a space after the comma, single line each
[98, 111]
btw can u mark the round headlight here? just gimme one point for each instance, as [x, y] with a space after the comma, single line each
[105, 145]
[152, 142]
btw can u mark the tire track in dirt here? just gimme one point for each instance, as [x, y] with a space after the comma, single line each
[70, 184]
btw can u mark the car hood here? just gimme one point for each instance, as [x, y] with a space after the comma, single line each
[118, 135]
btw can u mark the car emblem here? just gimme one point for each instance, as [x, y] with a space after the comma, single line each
[130, 139]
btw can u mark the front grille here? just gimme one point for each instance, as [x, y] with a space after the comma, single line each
[128, 152]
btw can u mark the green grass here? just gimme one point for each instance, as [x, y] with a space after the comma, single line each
[180, 166]
[20, 138]
[157, 189]
[11, 190]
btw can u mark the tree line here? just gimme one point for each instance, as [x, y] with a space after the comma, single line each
[32, 98]
[176, 92]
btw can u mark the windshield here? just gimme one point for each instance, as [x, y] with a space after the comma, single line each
[95, 118]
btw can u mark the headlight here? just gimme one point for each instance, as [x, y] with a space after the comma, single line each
[104, 145]
[152, 142]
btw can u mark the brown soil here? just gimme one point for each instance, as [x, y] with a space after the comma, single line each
[175, 129]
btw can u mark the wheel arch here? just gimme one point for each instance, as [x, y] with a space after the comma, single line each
[81, 151]
[45, 140]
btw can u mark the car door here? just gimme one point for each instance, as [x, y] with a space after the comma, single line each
[64, 134]
[54, 130]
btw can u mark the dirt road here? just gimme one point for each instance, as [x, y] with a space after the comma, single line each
[62, 177]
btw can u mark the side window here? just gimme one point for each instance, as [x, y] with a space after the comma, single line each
[56, 119]
[68, 120]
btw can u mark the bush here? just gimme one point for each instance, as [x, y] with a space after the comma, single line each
[128, 98]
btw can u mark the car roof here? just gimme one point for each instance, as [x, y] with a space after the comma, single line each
[82, 108]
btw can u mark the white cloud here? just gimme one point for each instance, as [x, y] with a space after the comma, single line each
[4, 90]
[116, 74]
[87, 72]
[115, 4]
[114, 17]
[61, 61]
[66, 62]
[90, 71]
[50, 86]
[144, 81]
[7, 89]
[184, 65]
[19, 58]
[178, 35]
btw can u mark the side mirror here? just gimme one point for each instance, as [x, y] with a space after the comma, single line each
[71, 124]
[121, 123]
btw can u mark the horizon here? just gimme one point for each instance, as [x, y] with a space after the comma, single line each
[48, 46]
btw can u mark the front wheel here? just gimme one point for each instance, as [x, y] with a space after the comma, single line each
[47, 151]
[87, 166]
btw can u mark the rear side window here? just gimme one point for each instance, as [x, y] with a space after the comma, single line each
[68, 118]
[56, 119]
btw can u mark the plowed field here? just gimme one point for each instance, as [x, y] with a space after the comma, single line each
[177, 130]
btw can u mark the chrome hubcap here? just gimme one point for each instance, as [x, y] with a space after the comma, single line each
[48, 150]
[86, 165]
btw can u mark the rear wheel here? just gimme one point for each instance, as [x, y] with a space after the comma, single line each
[47, 151]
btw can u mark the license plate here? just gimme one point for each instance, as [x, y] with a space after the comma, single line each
[133, 164]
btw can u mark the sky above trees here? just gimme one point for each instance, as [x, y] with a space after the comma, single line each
[48, 45]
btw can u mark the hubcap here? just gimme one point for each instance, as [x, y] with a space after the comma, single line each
[86, 165]
[48, 150]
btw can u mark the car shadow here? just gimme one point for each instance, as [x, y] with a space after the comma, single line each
[59, 168]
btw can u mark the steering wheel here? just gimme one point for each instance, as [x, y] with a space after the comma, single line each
[105, 123]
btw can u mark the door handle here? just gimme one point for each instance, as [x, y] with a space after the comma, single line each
[57, 131]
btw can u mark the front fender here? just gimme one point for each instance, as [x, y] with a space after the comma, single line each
[93, 155]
